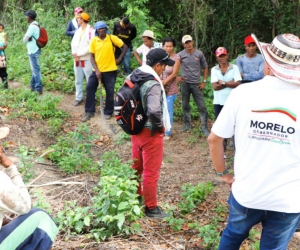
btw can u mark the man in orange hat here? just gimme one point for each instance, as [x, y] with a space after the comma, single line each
[80, 52]
[251, 64]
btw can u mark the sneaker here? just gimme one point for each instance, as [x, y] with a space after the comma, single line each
[87, 116]
[155, 213]
[186, 128]
[107, 117]
[77, 102]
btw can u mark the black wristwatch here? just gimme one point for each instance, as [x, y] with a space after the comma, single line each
[222, 173]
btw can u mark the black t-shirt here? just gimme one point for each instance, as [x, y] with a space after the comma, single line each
[126, 35]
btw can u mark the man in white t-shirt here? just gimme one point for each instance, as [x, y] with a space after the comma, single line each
[264, 116]
[148, 44]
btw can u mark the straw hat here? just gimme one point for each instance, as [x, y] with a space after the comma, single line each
[282, 56]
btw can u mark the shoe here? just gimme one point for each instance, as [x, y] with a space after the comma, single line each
[77, 102]
[186, 127]
[107, 117]
[39, 92]
[155, 213]
[87, 116]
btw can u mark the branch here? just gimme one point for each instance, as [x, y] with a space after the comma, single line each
[57, 183]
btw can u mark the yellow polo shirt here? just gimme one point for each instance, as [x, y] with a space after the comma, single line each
[104, 52]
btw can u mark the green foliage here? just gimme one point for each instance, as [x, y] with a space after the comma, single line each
[193, 195]
[175, 223]
[41, 202]
[55, 125]
[122, 138]
[25, 103]
[114, 207]
[74, 217]
[26, 162]
[72, 152]
[209, 234]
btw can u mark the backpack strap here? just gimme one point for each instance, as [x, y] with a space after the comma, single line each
[38, 27]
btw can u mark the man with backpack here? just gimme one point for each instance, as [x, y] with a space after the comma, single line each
[105, 69]
[80, 52]
[34, 52]
[147, 146]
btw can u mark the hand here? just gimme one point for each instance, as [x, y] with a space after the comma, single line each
[98, 74]
[220, 82]
[4, 160]
[1, 47]
[202, 85]
[180, 79]
[5, 221]
[229, 179]
[118, 61]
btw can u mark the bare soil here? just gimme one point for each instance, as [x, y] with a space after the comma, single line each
[186, 160]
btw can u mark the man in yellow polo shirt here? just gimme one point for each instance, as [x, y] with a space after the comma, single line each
[105, 69]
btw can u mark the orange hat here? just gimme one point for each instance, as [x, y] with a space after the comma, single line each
[85, 16]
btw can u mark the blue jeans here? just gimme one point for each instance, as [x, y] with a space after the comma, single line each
[80, 73]
[108, 82]
[36, 78]
[278, 227]
[170, 103]
[126, 62]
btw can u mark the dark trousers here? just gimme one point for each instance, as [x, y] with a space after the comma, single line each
[108, 82]
[186, 90]
[217, 109]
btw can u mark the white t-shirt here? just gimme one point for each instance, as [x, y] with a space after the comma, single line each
[144, 50]
[232, 73]
[265, 118]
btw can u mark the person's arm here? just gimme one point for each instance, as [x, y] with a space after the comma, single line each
[115, 30]
[205, 74]
[124, 49]
[5, 41]
[154, 111]
[217, 156]
[94, 64]
[14, 195]
[70, 31]
[133, 32]
[238, 63]
[230, 84]
[259, 73]
[174, 74]
[137, 57]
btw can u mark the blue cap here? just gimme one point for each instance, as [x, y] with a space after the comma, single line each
[100, 25]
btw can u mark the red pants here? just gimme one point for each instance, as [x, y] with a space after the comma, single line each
[147, 153]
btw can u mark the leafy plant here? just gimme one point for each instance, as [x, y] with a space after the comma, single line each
[209, 234]
[122, 138]
[193, 195]
[72, 152]
[26, 162]
[41, 202]
[114, 208]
